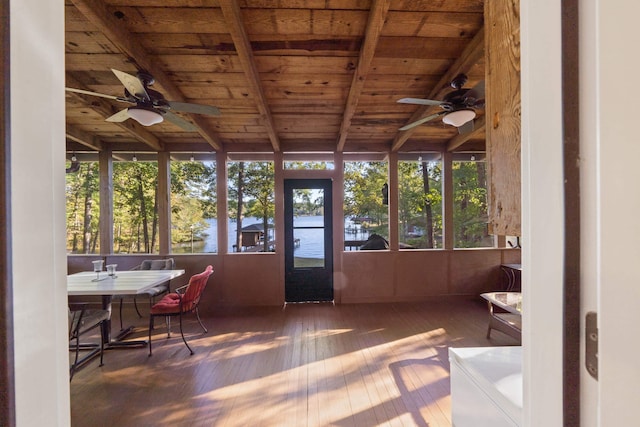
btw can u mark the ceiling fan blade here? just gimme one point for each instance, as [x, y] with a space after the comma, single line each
[132, 84]
[418, 101]
[179, 121]
[102, 95]
[120, 116]
[186, 107]
[466, 128]
[421, 121]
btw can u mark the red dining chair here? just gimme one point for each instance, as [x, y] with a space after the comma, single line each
[184, 300]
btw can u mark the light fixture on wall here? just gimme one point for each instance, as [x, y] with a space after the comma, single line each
[144, 116]
[134, 158]
[459, 117]
[191, 159]
[75, 164]
[385, 194]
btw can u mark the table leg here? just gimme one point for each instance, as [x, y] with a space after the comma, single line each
[118, 342]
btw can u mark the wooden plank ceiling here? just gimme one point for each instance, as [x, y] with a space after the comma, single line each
[286, 75]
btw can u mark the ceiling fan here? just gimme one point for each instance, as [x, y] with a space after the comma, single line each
[149, 106]
[458, 106]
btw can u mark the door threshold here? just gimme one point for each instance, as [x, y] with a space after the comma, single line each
[332, 302]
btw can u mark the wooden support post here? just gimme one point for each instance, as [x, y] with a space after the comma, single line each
[502, 47]
[164, 202]
[106, 200]
[447, 196]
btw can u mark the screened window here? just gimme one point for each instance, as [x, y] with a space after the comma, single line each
[470, 218]
[366, 211]
[420, 201]
[135, 205]
[251, 206]
[194, 227]
[308, 161]
[82, 207]
[311, 165]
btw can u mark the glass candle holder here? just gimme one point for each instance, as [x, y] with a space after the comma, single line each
[97, 267]
[111, 269]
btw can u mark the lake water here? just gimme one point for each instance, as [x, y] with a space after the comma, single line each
[310, 239]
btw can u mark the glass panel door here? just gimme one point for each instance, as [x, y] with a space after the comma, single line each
[308, 240]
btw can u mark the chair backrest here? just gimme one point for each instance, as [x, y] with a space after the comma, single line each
[156, 264]
[197, 283]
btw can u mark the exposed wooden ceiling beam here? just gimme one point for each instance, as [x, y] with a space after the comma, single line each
[98, 14]
[84, 138]
[470, 56]
[233, 17]
[106, 109]
[458, 140]
[377, 16]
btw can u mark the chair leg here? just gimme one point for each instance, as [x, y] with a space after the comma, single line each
[183, 338]
[200, 321]
[135, 304]
[167, 321]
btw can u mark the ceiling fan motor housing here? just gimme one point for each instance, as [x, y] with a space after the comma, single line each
[146, 78]
[455, 100]
[459, 81]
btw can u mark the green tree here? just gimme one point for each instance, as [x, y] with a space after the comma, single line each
[193, 201]
[135, 201]
[82, 202]
[135, 207]
[260, 189]
[420, 202]
[255, 182]
[470, 204]
[363, 182]
[305, 204]
[236, 187]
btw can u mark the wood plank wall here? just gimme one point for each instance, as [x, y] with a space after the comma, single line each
[250, 279]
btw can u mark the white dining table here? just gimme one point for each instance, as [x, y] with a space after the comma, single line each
[130, 282]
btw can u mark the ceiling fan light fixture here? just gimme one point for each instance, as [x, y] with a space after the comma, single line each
[144, 116]
[459, 117]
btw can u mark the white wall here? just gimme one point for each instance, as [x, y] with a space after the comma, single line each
[618, 204]
[37, 209]
[609, 209]
[542, 213]
[588, 196]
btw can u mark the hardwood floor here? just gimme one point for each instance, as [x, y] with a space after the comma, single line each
[302, 365]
